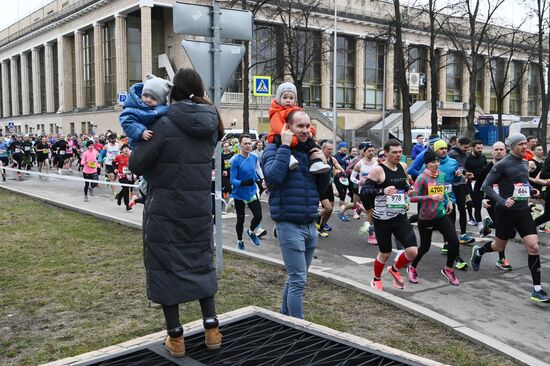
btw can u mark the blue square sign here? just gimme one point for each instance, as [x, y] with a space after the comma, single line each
[262, 86]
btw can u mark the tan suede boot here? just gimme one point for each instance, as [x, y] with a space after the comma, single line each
[212, 338]
[175, 346]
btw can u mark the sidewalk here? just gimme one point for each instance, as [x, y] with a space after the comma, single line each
[488, 307]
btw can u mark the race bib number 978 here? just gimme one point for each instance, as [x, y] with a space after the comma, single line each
[396, 200]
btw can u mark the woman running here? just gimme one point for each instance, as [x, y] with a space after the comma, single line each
[42, 149]
[89, 170]
[429, 191]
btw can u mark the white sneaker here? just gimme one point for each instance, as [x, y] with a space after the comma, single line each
[319, 168]
[293, 163]
[59, 171]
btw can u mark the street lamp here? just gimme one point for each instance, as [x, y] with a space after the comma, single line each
[335, 47]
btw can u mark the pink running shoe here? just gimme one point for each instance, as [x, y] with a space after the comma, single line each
[450, 275]
[372, 240]
[377, 284]
[397, 280]
[411, 273]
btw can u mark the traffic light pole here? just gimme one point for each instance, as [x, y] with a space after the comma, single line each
[216, 51]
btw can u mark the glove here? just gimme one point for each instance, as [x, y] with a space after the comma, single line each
[247, 183]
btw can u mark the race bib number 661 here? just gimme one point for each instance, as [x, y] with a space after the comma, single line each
[521, 192]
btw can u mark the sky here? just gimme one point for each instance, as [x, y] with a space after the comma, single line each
[512, 11]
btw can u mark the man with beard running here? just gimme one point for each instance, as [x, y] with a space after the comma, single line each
[475, 162]
[388, 183]
[512, 211]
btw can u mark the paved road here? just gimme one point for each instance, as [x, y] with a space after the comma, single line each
[490, 301]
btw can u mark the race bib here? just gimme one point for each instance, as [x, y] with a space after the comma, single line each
[396, 200]
[45, 151]
[434, 190]
[495, 188]
[92, 164]
[2, 152]
[27, 148]
[521, 192]
[125, 170]
[448, 188]
[61, 152]
[17, 150]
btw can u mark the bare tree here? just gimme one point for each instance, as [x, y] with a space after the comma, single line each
[503, 44]
[541, 10]
[479, 14]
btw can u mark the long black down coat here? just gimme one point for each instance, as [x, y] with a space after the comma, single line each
[178, 248]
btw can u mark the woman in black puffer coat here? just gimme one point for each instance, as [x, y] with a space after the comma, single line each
[178, 247]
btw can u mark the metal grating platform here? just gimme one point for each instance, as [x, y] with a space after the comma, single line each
[257, 341]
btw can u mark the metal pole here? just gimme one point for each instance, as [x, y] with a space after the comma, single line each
[383, 139]
[334, 80]
[261, 114]
[218, 160]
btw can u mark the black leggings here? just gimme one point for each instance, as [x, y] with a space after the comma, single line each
[477, 197]
[460, 195]
[545, 217]
[87, 184]
[447, 229]
[172, 312]
[125, 191]
[256, 210]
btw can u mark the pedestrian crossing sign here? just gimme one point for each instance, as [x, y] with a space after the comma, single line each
[262, 86]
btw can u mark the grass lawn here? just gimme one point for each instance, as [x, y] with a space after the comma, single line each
[71, 283]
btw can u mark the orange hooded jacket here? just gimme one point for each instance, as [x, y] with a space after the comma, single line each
[277, 120]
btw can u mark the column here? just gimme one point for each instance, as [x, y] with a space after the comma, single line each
[428, 78]
[359, 73]
[36, 93]
[525, 90]
[388, 72]
[146, 41]
[48, 78]
[79, 71]
[14, 73]
[98, 65]
[5, 88]
[486, 86]
[326, 67]
[443, 74]
[64, 73]
[506, 101]
[121, 53]
[465, 83]
[25, 92]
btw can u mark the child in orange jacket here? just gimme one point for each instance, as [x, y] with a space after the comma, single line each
[281, 107]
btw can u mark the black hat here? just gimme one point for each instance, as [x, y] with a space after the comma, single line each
[90, 142]
[430, 156]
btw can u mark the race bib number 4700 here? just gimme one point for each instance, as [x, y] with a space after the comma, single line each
[434, 190]
[521, 192]
[396, 200]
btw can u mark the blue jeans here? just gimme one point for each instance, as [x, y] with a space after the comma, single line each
[297, 245]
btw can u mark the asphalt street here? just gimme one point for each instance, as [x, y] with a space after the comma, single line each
[491, 301]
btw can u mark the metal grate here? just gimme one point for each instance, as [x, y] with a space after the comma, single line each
[258, 341]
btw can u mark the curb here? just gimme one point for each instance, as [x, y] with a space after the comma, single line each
[457, 327]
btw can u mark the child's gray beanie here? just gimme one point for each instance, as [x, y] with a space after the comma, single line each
[157, 88]
[285, 87]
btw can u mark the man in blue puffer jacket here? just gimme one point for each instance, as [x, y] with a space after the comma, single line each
[145, 104]
[293, 204]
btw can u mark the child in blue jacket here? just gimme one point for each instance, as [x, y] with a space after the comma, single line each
[145, 104]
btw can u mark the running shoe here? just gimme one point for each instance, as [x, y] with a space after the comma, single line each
[59, 171]
[118, 197]
[411, 273]
[377, 284]
[397, 280]
[260, 232]
[343, 217]
[538, 296]
[450, 275]
[544, 229]
[364, 229]
[255, 240]
[472, 222]
[372, 240]
[240, 245]
[85, 198]
[504, 264]
[444, 250]
[326, 227]
[461, 264]
[486, 228]
[356, 216]
[466, 239]
[133, 201]
[91, 192]
[475, 260]
[322, 233]
[317, 225]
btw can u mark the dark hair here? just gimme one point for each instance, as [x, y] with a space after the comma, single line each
[390, 143]
[417, 136]
[476, 142]
[188, 85]
[124, 146]
[464, 140]
[530, 137]
[244, 136]
[537, 145]
[452, 139]
[112, 136]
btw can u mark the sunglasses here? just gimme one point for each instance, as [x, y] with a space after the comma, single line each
[382, 156]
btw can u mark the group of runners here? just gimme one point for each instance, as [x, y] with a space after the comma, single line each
[91, 155]
[377, 184]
